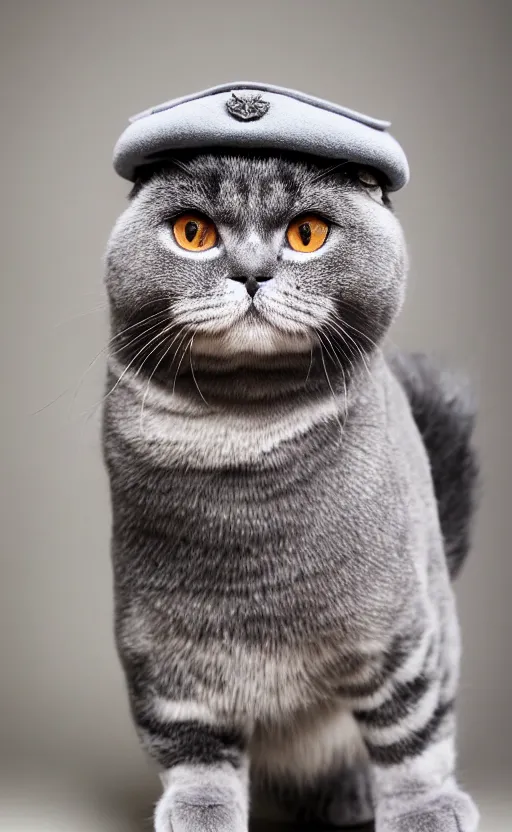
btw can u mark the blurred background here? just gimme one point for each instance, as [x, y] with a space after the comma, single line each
[71, 73]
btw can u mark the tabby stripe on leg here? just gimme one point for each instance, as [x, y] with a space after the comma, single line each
[404, 699]
[416, 742]
[417, 714]
[172, 743]
[394, 658]
[407, 709]
[402, 664]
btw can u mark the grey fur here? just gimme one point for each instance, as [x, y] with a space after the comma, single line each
[284, 612]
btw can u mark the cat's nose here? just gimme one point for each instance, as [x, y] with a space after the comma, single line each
[252, 284]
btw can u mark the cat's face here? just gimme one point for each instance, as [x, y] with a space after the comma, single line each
[290, 251]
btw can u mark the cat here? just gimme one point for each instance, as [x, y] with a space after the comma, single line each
[289, 503]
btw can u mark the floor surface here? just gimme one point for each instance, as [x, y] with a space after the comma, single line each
[46, 804]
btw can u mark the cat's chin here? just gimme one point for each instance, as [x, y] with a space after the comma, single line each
[253, 336]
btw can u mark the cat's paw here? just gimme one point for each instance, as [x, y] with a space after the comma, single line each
[447, 812]
[186, 817]
[202, 800]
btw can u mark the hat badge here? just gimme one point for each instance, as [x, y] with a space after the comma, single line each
[247, 107]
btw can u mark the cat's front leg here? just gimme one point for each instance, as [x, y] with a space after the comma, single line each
[205, 769]
[408, 726]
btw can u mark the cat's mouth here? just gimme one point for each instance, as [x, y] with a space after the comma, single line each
[252, 313]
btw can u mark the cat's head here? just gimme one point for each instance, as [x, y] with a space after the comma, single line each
[251, 258]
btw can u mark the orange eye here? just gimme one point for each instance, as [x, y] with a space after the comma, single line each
[307, 233]
[194, 232]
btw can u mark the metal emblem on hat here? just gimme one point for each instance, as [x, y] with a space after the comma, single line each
[247, 107]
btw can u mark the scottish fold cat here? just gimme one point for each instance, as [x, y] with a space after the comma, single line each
[289, 504]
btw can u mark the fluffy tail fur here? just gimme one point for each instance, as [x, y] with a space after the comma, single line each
[444, 411]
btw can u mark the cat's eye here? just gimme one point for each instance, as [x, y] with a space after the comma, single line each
[194, 232]
[307, 233]
[367, 178]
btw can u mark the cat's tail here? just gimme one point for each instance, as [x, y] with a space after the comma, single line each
[444, 411]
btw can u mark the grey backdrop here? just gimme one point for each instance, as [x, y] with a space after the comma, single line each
[71, 73]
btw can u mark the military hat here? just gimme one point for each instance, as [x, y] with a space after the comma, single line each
[247, 115]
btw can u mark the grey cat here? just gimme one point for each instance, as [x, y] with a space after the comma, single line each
[289, 505]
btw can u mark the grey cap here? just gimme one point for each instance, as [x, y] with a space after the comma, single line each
[247, 114]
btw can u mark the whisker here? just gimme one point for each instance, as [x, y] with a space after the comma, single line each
[188, 320]
[317, 177]
[97, 309]
[342, 375]
[338, 327]
[136, 324]
[350, 305]
[128, 366]
[329, 383]
[387, 340]
[146, 392]
[166, 331]
[296, 305]
[276, 307]
[109, 344]
[310, 367]
[363, 335]
[49, 404]
[136, 338]
[194, 375]
[179, 164]
[192, 303]
[179, 365]
[114, 352]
